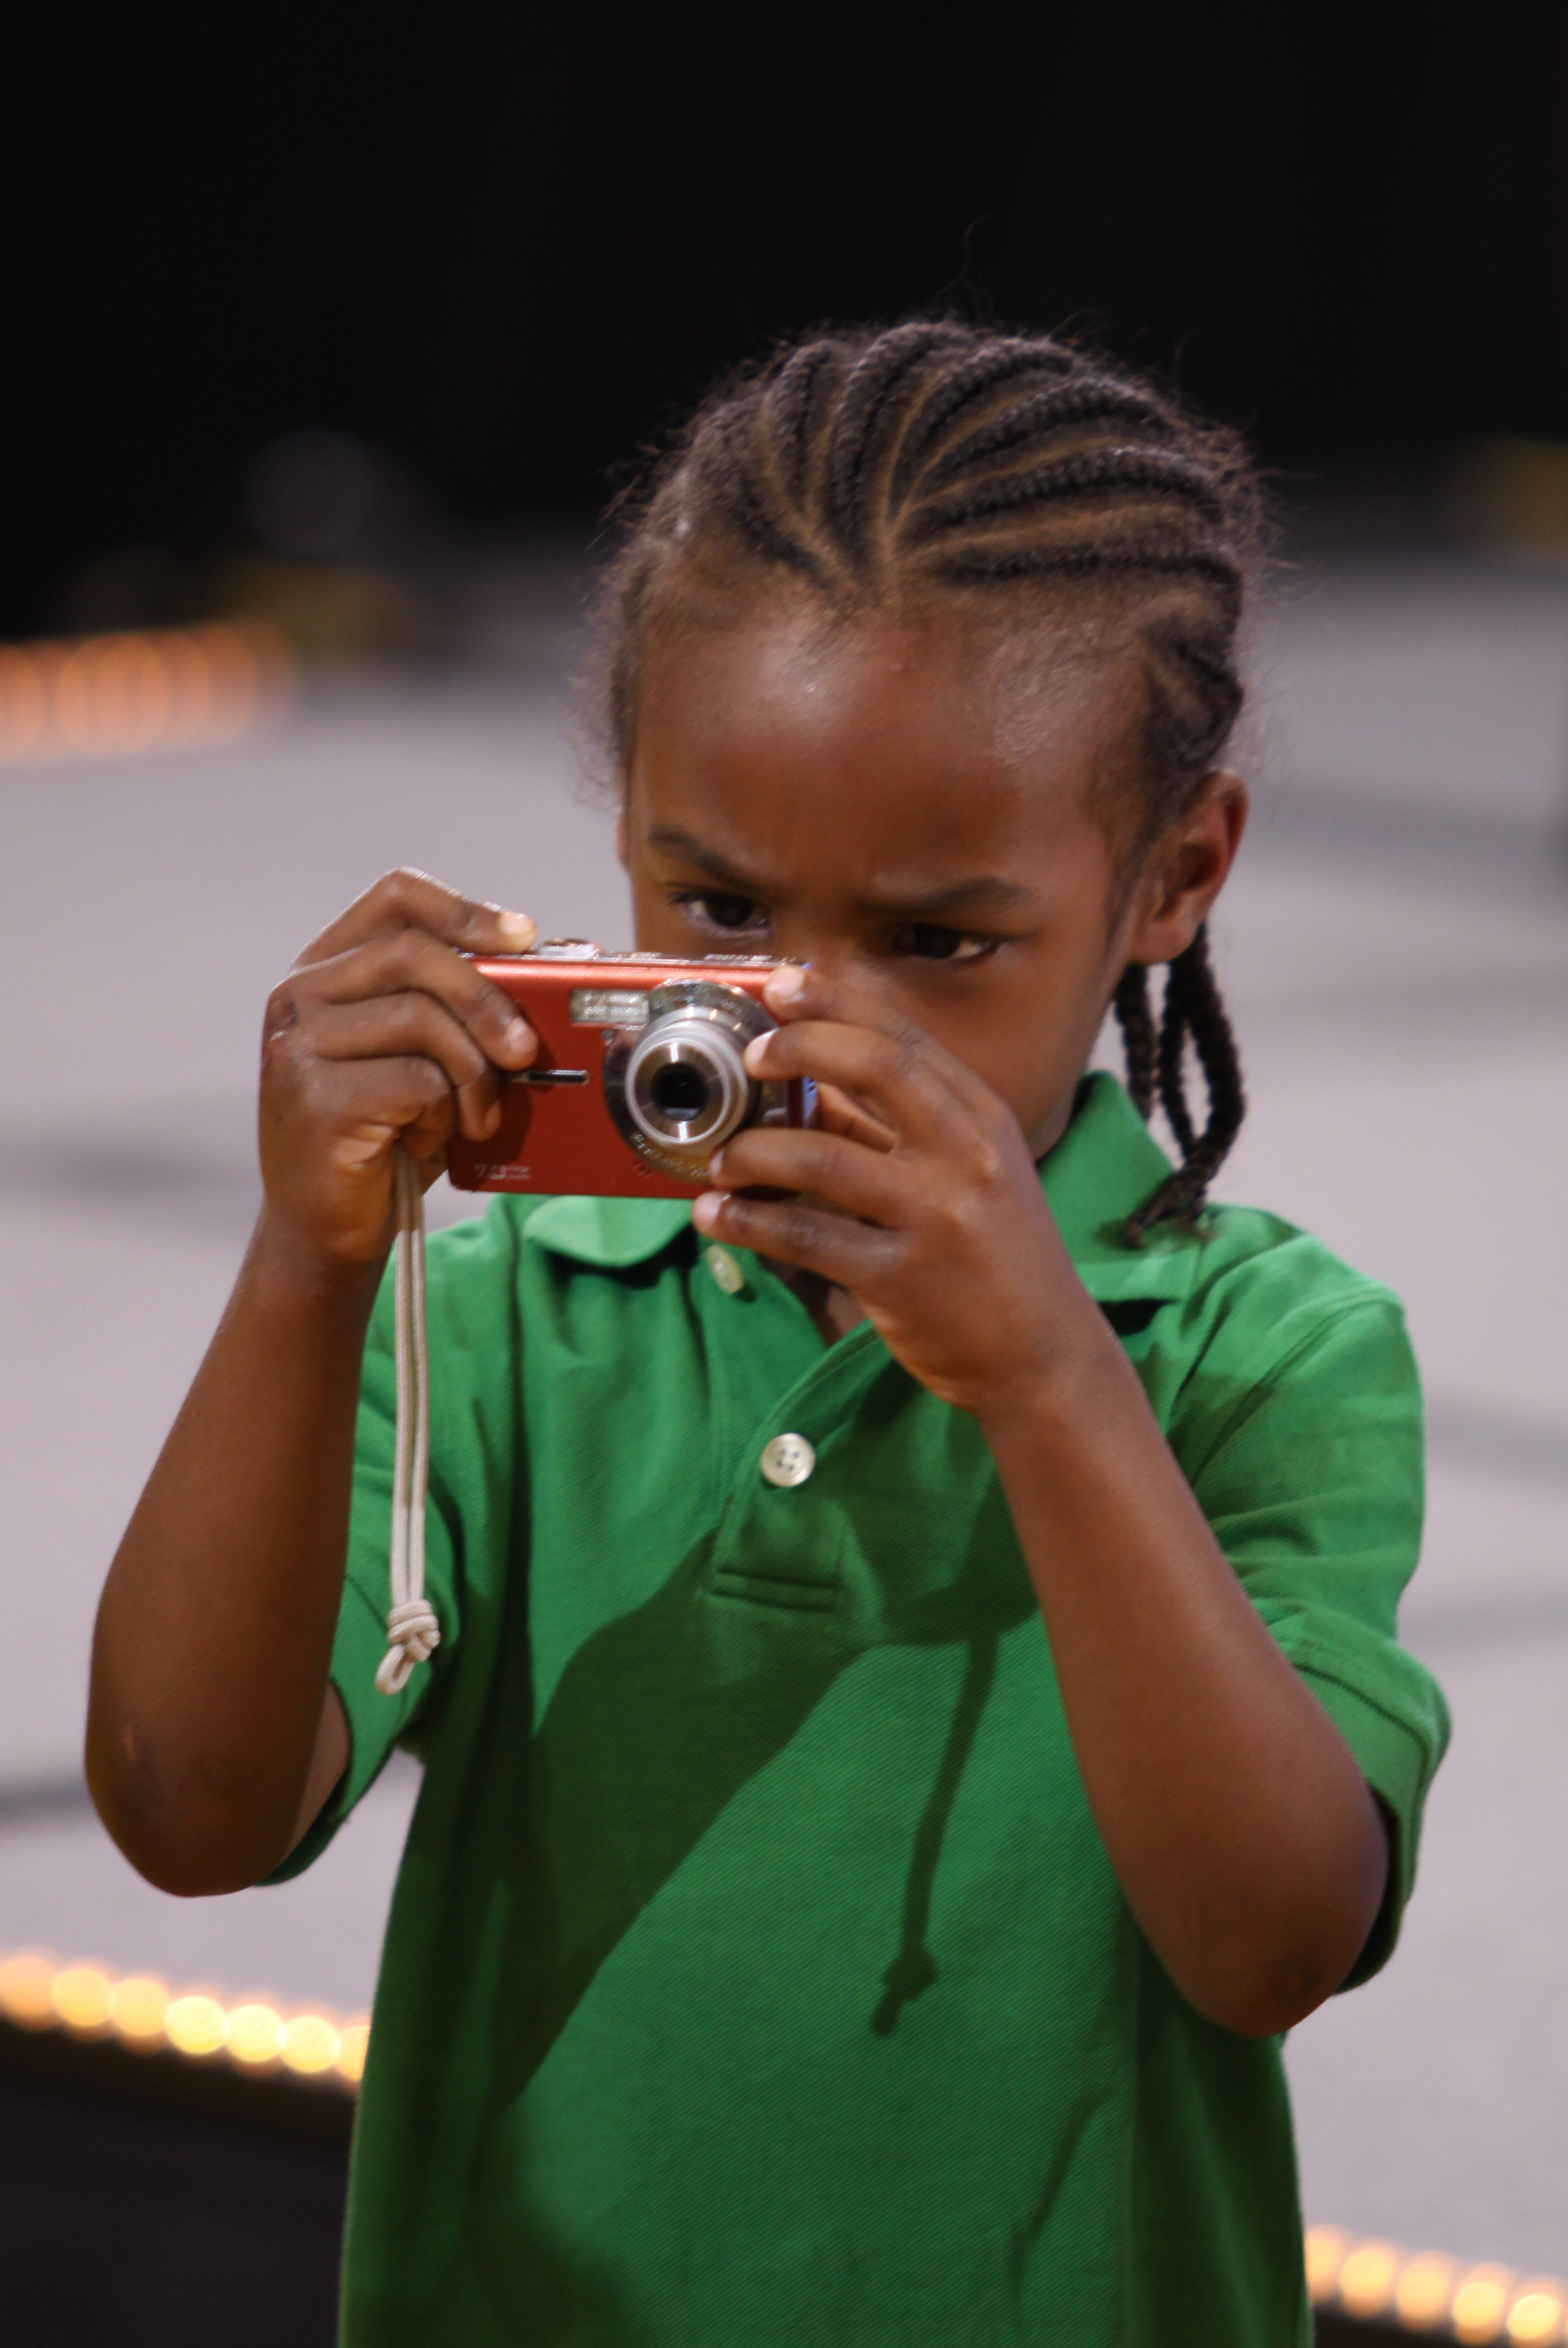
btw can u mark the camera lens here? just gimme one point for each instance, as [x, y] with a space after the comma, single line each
[679, 1090]
[680, 1086]
[686, 1086]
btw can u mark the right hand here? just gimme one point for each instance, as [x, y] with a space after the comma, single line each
[381, 1033]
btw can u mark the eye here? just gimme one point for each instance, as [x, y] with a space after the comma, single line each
[929, 942]
[719, 914]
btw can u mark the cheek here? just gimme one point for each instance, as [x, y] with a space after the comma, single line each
[1029, 1035]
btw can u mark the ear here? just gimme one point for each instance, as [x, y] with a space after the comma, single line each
[1186, 871]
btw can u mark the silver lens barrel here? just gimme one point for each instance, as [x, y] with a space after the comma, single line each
[685, 1081]
[678, 1087]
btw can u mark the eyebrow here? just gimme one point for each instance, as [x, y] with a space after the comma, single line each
[981, 892]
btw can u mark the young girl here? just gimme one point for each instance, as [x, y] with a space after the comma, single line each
[917, 1711]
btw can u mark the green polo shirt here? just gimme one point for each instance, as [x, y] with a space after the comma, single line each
[755, 1972]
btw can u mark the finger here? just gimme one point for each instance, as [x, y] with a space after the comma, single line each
[836, 1113]
[390, 1025]
[869, 1183]
[413, 961]
[408, 900]
[795, 993]
[358, 1108]
[903, 1079]
[850, 1255]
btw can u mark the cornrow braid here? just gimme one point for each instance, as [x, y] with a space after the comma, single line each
[1094, 401]
[875, 468]
[1123, 475]
[868, 420]
[989, 369]
[1136, 1021]
[1193, 1014]
[805, 378]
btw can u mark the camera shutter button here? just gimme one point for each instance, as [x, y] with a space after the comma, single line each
[788, 1461]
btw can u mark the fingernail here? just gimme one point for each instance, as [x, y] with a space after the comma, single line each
[705, 1210]
[785, 983]
[756, 1053]
[518, 928]
[519, 1035]
[716, 1163]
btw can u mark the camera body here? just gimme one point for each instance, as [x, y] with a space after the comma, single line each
[639, 1078]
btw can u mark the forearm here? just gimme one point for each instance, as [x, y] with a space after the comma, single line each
[1239, 1825]
[215, 1630]
[1235, 1815]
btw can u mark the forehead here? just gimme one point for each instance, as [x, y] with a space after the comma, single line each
[941, 731]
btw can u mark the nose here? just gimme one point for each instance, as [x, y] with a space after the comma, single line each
[827, 950]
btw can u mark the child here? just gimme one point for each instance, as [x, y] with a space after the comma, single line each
[917, 1711]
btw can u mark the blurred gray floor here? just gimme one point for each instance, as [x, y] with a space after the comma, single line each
[1396, 947]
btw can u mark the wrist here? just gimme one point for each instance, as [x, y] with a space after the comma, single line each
[1068, 1394]
[290, 1273]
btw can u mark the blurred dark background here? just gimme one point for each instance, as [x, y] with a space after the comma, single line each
[504, 244]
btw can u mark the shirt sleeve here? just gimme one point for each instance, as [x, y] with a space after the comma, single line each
[471, 1317]
[1311, 1475]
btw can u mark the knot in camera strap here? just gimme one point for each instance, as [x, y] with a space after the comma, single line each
[413, 1630]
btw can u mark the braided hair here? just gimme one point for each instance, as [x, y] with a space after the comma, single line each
[932, 458]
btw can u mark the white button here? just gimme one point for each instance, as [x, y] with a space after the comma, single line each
[726, 1271]
[788, 1461]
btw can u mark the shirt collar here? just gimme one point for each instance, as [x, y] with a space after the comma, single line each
[608, 1233]
[1105, 1164]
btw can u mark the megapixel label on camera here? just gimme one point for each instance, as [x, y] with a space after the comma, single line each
[609, 1007]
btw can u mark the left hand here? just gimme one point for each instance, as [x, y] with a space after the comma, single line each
[921, 1199]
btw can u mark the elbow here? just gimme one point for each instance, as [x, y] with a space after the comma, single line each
[190, 1871]
[1270, 2001]
[1269, 1971]
[1268, 1962]
[190, 1839]
[1263, 1990]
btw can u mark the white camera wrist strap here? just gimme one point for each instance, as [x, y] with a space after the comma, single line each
[413, 1630]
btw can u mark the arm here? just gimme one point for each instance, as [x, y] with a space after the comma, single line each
[213, 1738]
[1242, 1831]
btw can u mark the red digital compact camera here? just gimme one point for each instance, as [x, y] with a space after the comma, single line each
[640, 1074]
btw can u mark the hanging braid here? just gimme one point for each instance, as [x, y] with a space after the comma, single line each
[1193, 1015]
[936, 458]
[1139, 1040]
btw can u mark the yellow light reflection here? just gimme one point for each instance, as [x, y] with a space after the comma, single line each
[1367, 2277]
[141, 2010]
[24, 701]
[196, 2024]
[311, 2044]
[84, 1999]
[1537, 2313]
[28, 1990]
[1425, 2287]
[255, 2034]
[36, 1993]
[1479, 2308]
[121, 695]
[1326, 2247]
[354, 2039]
